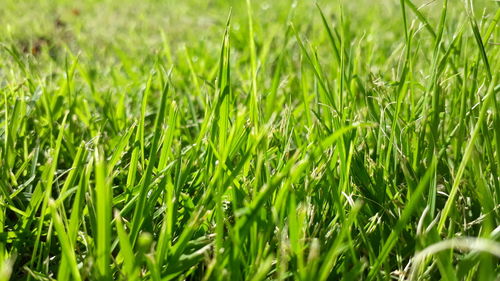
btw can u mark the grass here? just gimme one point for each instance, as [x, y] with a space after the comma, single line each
[249, 140]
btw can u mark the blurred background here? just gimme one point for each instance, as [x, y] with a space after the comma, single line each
[130, 26]
[121, 38]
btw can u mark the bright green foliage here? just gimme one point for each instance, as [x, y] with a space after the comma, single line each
[249, 140]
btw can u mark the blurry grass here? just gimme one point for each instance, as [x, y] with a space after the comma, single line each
[237, 140]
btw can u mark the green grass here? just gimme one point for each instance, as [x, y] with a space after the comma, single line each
[249, 140]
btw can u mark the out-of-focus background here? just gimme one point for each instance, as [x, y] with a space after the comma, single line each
[129, 34]
[144, 26]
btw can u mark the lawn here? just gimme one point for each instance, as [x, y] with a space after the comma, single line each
[249, 140]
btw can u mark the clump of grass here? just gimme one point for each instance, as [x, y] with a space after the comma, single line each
[296, 141]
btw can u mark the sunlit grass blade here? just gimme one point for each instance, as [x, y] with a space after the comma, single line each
[139, 211]
[103, 204]
[66, 245]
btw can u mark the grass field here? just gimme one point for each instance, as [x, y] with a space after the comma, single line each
[249, 140]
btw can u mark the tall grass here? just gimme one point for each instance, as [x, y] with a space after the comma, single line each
[247, 140]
